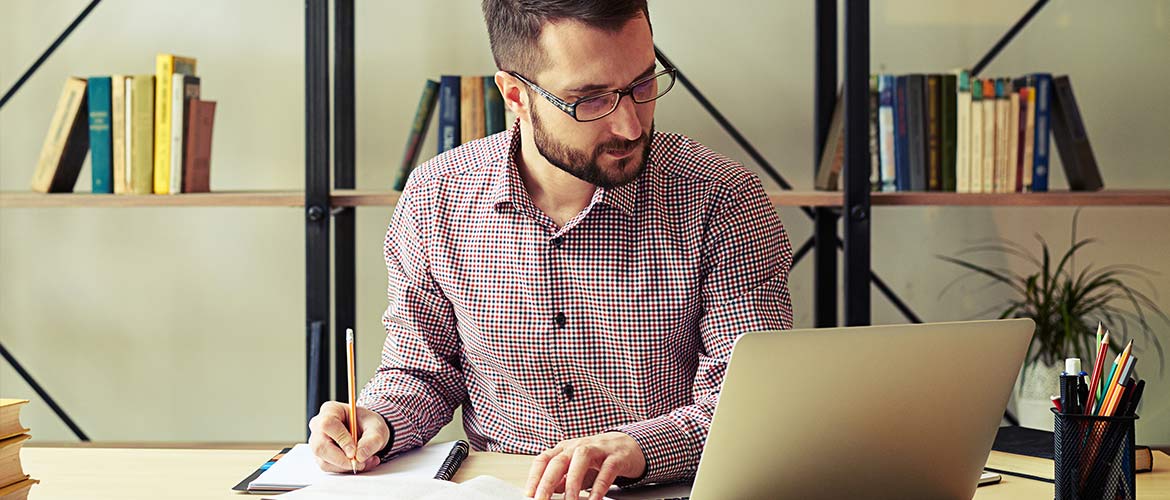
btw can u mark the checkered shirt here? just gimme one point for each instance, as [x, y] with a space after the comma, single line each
[622, 320]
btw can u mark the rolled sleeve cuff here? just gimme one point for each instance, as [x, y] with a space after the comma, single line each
[665, 446]
[402, 432]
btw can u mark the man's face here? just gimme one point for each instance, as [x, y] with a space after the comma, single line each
[585, 61]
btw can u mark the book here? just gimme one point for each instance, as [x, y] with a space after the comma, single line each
[1042, 82]
[128, 136]
[886, 131]
[833, 154]
[449, 96]
[66, 142]
[1002, 136]
[1072, 141]
[118, 131]
[298, 469]
[948, 96]
[166, 65]
[933, 133]
[18, 490]
[975, 161]
[10, 418]
[10, 468]
[990, 140]
[493, 107]
[963, 133]
[418, 130]
[901, 134]
[189, 86]
[200, 122]
[916, 131]
[1021, 120]
[100, 139]
[1029, 131]
[472, 124]
[1037, 443]
[141, 137]
[875, 169]
[1012, 131]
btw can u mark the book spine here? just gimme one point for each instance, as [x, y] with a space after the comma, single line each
[989, 137]
[1072, 141]
[142, 120]
[176, 143]
[829, 168]
[100, 138]
[449, 90]
[1017, 143]
[130, 135]
[933, 134]
[1002, 133]
[902, 142]
[963, 133]
[164, 72]
[1029, 132]
[975, 163]
[875, 169]
[493, 107]
[886, 131]
[1043, 84]
[916, 94]
[471, 113]
[197, 172]
[118, 131]
[418, 128]
[947, 97]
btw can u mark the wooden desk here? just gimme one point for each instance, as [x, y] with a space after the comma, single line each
[126, 473]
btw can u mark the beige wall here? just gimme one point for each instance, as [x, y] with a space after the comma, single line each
[187, 324]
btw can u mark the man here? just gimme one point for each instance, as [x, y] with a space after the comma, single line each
[575, 283]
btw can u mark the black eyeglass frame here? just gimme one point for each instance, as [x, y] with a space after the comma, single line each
[571, 108]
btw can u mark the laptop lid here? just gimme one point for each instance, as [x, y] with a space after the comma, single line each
[897, 411]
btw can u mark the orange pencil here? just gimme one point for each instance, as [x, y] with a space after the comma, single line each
[352, 396]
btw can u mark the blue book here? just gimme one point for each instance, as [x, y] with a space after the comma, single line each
[449, 94]
[901, 134]
[1040, 151]
[886, 132]
[100, 137]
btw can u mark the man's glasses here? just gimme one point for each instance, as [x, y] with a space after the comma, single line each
[598, 106]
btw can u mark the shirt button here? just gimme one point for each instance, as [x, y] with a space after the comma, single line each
[567, 391]
[559, 319]
[558, 241]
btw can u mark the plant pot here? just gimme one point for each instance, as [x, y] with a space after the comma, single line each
[1032, 396]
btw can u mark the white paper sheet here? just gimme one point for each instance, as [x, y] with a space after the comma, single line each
[299, 469]
[400, 487]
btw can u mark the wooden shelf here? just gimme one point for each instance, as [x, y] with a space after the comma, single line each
[354, 198]
[218, 199]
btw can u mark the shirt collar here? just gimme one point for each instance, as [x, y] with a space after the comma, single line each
[508, 187]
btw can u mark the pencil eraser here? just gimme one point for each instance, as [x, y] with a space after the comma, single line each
[1072, 366]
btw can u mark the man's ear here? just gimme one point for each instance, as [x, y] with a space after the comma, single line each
[515, 97]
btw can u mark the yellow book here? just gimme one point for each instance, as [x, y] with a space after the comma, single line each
[166, 65]
[471, 121]
[10, 469]
[118, 131]
[141, 138]
[67, 142]
[10, 418]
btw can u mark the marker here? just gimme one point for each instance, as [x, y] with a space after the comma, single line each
[1069, 382]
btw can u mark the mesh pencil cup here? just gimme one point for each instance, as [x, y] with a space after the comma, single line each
[1094, 457]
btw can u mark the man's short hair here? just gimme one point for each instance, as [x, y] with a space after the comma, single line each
[514, 26]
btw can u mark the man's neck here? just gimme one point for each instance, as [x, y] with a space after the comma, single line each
[555, 192]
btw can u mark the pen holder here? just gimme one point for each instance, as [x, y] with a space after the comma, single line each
[1094, 457]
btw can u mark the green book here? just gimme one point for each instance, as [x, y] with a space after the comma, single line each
[418, 130]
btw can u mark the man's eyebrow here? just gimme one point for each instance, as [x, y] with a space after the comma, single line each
[594, 86]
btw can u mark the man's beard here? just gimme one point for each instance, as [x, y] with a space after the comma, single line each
[584, 166]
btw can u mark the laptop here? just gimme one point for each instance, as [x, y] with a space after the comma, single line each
[898, 411]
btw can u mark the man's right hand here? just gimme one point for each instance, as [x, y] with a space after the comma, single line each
[332, 445]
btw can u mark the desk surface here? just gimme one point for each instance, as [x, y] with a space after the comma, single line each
[128, 473]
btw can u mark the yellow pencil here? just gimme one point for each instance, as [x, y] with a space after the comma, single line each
[352, 396]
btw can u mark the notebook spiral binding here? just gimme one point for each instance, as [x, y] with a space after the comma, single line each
[458, 452]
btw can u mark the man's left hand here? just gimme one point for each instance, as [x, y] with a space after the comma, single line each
[594, 460]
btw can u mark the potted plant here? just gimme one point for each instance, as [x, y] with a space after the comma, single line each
[1067, 305]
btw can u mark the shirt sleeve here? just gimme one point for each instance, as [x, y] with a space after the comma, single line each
[419, 382]
[745, 289]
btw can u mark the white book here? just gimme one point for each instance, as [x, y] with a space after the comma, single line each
[989, 141]
[963, 135]
[975, 162]
[1029, 138]
[178, 118]
[886, 136]
[129, 135]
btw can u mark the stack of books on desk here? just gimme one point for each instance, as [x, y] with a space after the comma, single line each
[14, 483]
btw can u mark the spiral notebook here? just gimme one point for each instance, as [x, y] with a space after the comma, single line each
[298, 469]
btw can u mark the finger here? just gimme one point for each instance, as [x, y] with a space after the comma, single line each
[374, 432]
[605, 478]
[553, 474]
[369, 464]
[536, 471]
[328, 467]
[332, 444]
[582, 463]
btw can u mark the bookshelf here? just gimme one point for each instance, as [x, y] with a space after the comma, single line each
[215, 199]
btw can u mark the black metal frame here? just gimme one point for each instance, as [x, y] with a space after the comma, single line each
[317, 204]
